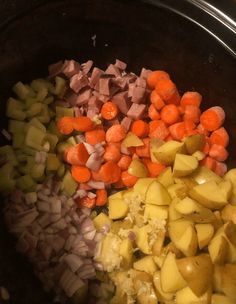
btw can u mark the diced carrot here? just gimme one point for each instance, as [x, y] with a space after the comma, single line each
[110, 172]
[154, 169]
[189, 125]
[181, 110]
[191, 132]
[192, 113]
[124, 162]
[77, 155]
[109, 110]
[178, 130]
[169, 137]
[128, 179]
[95, 136]
[220, 168]
[170, 114]
[112, 152]
[209, 163]
[156, 100]
[96, 175]
[206, 148]
[202, 130]
[144, 151]
[153, 113]
[86, 202]
[101, 198]
[82, 123]
[155, 76]
[135, 156]
[168, 91]
[65, 125]
[220, 137]
[191, 98]
[115, 133]
[218, 152]
[80, 174]
[140, 128]
[158, 129]
[213, 118]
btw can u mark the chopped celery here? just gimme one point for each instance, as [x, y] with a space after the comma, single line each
[34, 138]
[62, 146]
[60, 87]
[29, 165]
[52, 139]
[30, 101]
[22, 169]
[37, 171]
[53, 163]
[52, 128]
[61, 170]
[31, 197]
[18, 140]
[71, 140]
[7, 183]
[42, 94]
[40, 84]
[28, 151]
[44, 114]
[35, 122]
[48, 100]
[25, 182]
[61, 111]
[22, 91]
[20, 156]
[69, 185]
[8, 152]
[34, 109]
[16, 126]
[15, 109]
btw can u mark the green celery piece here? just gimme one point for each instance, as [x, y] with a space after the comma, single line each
[8, 153]
[61, 112]
[25, 182]
[15, 109]
[52, 139]
[29, 164]
[34, 138]
[35, 122]
[60, 86]
[16, 126]
[28, 151]
[42, 94]
[52, 128]
[20, 156]
[37, 171]
[34, 109]
[71, 140]
[69, 185]
[31, 196]
[30, 101]
[41, 84]
[23, 91]
[48, 100]
[61, 170]
[7, 182]
[52, 163]
[62, 146]
[18, 140]
[44, 116]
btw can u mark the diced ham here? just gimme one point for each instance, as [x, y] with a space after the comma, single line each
[84, 97]
[144, 73]
[78, 82]
[70, 68]
[120, 65]
[96, 74]
[138, 95]
[86, 67]
[141, 82]
[126, 123]
[120, 82]
[104, 86]
[121, 100]
[112, 122]
[77, 112]
[55, 68]
[113, 70]
[130, 78]
[91, 112]
[136, 111]
[131, 89]
[101, 97]
[95, 103]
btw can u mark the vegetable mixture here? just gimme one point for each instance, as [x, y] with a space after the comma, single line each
[116, 187]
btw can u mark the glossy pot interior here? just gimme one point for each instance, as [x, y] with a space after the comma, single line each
[140, 34]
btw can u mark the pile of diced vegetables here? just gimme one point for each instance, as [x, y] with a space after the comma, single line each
[84, 139]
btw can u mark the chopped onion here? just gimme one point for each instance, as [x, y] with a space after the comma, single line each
[96, 184]
[90, 149]
[91, 195]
